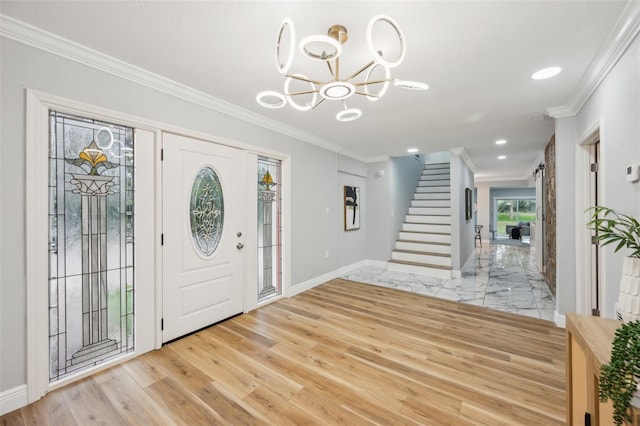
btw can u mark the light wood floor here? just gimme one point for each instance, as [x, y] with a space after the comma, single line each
[341, 353]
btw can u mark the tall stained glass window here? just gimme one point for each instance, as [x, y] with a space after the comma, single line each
[269, 228]
[91, 230]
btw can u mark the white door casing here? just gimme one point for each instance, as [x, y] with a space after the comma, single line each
[199, 290]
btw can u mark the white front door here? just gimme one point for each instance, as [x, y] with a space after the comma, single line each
[203, 227]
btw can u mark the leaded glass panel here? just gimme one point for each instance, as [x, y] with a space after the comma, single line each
[206, 211]
[91, 280]
[269, 228]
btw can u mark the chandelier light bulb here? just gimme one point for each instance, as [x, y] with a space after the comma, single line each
[387, 76]
[337, 90]
[349, 114]
[309, 105]
[286, 26]
[320, 48]
[410, 85]
[377, 53]
[271, 99]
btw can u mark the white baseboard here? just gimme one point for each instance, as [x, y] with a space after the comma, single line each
[309, 284]
[560, 320]
[12, 399]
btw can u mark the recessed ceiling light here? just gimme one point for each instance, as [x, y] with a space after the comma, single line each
[501, 142]
[412, 150]
[502, 157]
[546, 73]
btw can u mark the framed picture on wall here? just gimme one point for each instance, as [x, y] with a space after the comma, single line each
[468, 203]
[351, 208]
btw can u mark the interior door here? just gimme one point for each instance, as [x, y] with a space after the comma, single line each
[203, 222]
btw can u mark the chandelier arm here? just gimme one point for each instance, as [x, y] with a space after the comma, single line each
[364, 83]
[338, 69]
[368, 95]
[308, 80]
[318, 103]
[307, 92]
[331, 71]
[360, 71]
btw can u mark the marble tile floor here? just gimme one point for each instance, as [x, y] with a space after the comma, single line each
[502, 277]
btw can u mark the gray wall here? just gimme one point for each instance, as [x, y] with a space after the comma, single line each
[461, 228]
[313, 230]
[565, 215]
[405, 175]
[351, 244]
[379, 211]
[616, 104]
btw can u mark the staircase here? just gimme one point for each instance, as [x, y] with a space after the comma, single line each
[424, 242]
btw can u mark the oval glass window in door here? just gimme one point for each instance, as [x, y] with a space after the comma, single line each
[206, 211]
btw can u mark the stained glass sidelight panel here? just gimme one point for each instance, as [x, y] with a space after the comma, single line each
[91, 238]
[269, 228]
[206, 211]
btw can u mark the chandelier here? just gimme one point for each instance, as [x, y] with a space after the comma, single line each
[328, 49]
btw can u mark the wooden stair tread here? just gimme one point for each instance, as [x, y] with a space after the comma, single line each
[434, 233]
[427, 223]
[424, 242]
[426, 253]
[424, 265]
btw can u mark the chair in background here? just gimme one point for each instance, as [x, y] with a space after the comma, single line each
[477, 237]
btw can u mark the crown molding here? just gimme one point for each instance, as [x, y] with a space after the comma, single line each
[462, 153]
[30, 35]
[618, 41]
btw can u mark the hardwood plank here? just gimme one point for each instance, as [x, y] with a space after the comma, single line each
[340, 353]
[179, 369]
[182, 405]
[143, 370]
[278, 410]
[430, 412]
[52, 409]
[14, 418]
[133, 403]
[89, 405]
[228, 407]
[106, 375]
[205, 355]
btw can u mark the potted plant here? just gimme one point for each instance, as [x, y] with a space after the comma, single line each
[623, 230]
[613, 227]
[619, 378]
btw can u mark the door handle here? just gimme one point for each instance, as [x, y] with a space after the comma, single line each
[239, 246]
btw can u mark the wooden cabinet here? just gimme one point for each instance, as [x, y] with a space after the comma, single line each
[588, 348]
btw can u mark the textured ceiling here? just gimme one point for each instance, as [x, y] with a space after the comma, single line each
[476, 56]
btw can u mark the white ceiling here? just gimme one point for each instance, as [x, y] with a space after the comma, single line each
[476, 56]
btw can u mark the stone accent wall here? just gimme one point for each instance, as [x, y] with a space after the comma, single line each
[549, 212]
